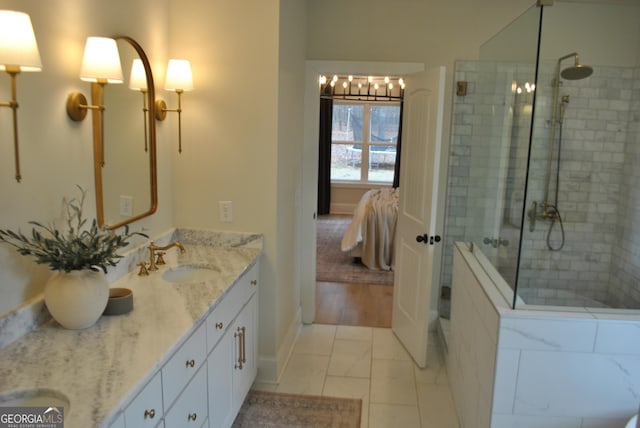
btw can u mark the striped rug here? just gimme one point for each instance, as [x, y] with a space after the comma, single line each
[263, 409]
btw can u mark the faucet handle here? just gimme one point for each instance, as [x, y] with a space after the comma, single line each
[143, 269]
[160, 258]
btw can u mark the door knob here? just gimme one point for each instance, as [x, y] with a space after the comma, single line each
[422, 238]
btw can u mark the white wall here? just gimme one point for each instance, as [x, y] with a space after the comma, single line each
[431, 32]
[291, 81]
[603, 34]
[56, 153]
[241, 136]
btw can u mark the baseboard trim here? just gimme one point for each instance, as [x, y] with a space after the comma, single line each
[346, 209]
[270, 369]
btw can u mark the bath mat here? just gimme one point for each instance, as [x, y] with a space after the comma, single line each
[263, 409]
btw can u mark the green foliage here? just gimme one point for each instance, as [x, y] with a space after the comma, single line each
[79, 248]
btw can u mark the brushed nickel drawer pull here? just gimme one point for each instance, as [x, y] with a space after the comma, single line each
[192, 417]
[240, 335]
[219, 325]
[254, 282]
[149, 414]
[191, 363]
[244, 346]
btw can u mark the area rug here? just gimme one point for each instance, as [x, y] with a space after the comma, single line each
[333, 265]
[263, 409]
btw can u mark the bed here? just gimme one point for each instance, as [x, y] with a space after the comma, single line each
[371, 234]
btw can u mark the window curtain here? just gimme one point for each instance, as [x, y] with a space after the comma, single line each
[396, 171]
[324, 158]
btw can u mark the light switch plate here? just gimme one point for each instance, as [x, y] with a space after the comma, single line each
[226, 211]
[126, 206]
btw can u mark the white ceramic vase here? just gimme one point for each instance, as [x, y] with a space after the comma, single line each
[76, 299]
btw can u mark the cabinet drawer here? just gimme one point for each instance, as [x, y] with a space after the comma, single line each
[190, 409]
[146, 409]
[219, 320]
[181, 367]
[224, 313]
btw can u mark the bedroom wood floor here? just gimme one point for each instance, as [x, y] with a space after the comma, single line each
[354, 304]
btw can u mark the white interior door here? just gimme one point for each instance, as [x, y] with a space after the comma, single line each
[418, 243]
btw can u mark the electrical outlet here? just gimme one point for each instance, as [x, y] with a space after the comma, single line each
[226, 211]
[126, 206]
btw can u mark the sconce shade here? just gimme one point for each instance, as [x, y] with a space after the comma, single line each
[138, 78]
[179, 77]
[18, 46]
[101, 61]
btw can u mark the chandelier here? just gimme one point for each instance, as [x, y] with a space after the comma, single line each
[362, 88]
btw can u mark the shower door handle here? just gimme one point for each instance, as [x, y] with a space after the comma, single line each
[423, 238]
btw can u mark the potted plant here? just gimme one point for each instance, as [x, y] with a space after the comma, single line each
[78, 291]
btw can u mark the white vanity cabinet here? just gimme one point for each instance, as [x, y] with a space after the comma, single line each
[205, 381]
[232, 361]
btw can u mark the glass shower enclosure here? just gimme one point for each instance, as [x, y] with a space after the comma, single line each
[544, 174]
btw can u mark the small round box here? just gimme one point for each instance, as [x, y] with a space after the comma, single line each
[120, 301]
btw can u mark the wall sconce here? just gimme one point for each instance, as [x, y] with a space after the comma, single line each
[179, 79]
[18, 52]
[138, 82]
[100, 65]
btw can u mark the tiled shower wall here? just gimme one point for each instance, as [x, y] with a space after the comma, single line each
[599, 173]
[626, 255]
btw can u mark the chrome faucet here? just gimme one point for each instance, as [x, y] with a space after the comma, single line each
[155, 254]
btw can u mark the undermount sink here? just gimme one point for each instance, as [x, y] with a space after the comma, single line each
[190, 273]
[36, 397]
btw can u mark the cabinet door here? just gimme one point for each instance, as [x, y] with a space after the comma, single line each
[190, 408]
[245, 356]
[220, 380]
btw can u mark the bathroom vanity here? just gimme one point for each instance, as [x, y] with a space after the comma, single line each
[191, 335]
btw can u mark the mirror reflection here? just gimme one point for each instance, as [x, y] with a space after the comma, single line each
[126, 182]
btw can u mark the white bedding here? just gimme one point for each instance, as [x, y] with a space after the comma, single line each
[371, 234]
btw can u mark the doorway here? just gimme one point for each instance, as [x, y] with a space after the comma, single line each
[309, 218]
[347, 292]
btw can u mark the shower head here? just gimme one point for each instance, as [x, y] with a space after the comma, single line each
[577, 71]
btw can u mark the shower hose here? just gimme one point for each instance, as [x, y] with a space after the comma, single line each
[554, 208]
[558, 218]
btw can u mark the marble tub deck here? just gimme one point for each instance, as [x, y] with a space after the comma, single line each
[101, 368]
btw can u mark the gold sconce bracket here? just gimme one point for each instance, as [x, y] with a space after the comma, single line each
[77, 106]
[161, 109]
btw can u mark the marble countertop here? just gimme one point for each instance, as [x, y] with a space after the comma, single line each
[101, 368]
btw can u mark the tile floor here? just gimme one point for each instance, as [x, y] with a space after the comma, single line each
[370, 363]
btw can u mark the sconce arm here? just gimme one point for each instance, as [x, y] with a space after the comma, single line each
[161, 114]
[13, 105]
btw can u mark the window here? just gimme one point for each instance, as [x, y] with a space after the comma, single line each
[363, 141]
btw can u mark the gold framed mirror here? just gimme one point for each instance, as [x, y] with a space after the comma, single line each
[125, 162]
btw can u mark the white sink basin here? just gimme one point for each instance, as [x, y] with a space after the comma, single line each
[37, 397]
[188, 274]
